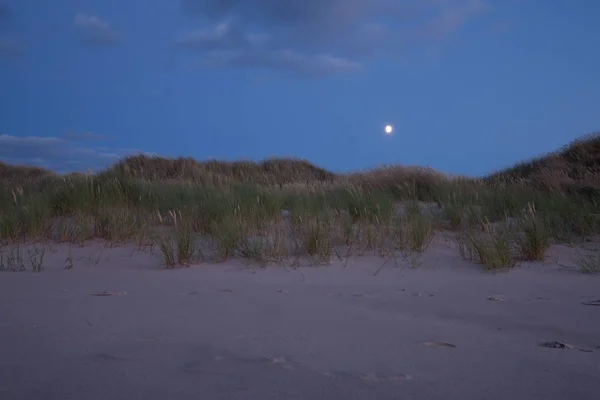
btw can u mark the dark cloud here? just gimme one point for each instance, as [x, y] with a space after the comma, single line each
[95, 31]
[327, 36]
[295, 12]
[57, 153]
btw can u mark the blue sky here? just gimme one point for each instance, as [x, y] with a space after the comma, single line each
[469, 85]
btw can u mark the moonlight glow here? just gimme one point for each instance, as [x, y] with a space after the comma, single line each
[388, 129]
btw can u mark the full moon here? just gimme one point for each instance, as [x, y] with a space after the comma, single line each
[388, 129]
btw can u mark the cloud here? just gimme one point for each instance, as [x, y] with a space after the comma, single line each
[57, 153]
[317, 37]
[451, 19]
[95, 31]
[222, 36]
[87, 136]
[225, 45]
[300, 64]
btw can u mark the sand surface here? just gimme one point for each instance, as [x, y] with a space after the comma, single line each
[227, 331]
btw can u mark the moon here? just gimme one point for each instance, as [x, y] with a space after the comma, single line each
[389, 129]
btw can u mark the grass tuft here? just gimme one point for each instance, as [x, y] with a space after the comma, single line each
[535, 238]
[493, 248]
[316, 234]
[590, 264]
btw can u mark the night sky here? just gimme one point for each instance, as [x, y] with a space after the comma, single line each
[469, 86]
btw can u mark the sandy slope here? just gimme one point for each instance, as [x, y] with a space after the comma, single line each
[229, 332]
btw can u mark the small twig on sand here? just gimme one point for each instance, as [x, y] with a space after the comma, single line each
[380, 268]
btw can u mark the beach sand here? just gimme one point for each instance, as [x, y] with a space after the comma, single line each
[118, 326]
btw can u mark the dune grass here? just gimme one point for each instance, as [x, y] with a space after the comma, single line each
[591, 263]
[281, 210]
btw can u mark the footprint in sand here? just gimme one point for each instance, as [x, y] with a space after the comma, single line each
[565, 346]
[281, 362]
[438, 344]
[104, 357]
[591, 303]
[200, 368]
[109, 293]
[376, 378]
[557, 345]
[225, 290]
[363, 295]
[369, 377]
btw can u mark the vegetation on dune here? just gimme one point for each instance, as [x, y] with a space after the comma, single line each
[235, 208]
[219, 173]
[573, 169]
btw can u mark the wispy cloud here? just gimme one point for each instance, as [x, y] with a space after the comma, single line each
[304, 65]
[225, 45]
[95, 31]
[87, 136]
[317, 37]
[452, 18]
[58, 153]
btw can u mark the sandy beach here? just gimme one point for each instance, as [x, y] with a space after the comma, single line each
[120, 326]
[299, 200]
